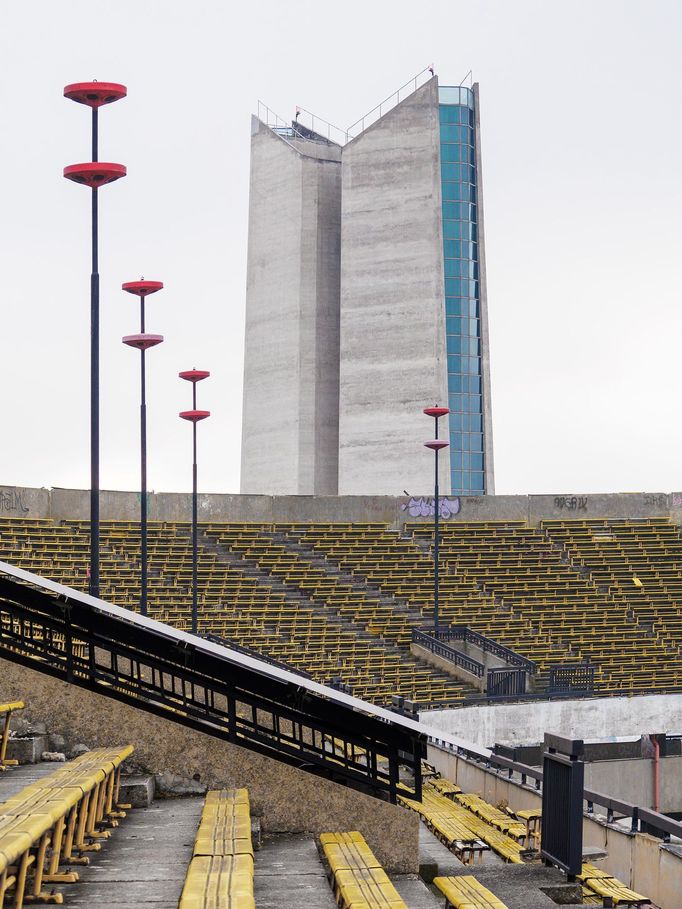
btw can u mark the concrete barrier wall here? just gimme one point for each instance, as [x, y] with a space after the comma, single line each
[286, 799]
[639, 860]
[586, 718]
[392, 510]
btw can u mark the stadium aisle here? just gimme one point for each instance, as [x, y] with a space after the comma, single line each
[289, 873]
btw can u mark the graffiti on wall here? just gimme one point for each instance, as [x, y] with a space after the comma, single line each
[13, 500]
[426, 508]
[656, 501]
[571, 503]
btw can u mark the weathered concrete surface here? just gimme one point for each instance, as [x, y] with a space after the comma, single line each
[586, 718]
[633, 781]
[17, 778]
[64, 504]
[393, 359]
[291, 356]
[144, 862]
[286, 799]
[288, 872]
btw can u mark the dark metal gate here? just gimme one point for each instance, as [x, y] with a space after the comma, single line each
[562, 804]
[505, 682]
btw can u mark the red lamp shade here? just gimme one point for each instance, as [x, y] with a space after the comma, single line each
[94, 173]
[436, 444]
[95, 94]
[194, 415]
[142, 288]
[142, 342]
[436, 411]
[194, 375]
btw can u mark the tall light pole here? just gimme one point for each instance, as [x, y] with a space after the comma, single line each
[94, 174]
[142, 342]
[194, 416]
[436, 445]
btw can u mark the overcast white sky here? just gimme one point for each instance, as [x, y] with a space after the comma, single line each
[583, 193]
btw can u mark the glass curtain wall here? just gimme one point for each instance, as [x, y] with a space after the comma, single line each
[462, 294]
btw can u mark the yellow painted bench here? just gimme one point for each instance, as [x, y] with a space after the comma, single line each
[612, 891]
[6, 711]
[465, 892]
[356, 876]
[63, 813]
[220, 874]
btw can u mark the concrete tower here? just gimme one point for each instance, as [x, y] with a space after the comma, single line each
[291, 366]
[366, 302]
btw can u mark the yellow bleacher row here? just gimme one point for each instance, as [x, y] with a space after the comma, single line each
[220, 874]
[606, 592]
[56, 821]
[465, 892]
[355, 875]
[6, 711]
[456, 818]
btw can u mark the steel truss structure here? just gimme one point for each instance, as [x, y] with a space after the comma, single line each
[206, 686]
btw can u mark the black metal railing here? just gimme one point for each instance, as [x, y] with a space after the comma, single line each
[257, 655]
[505, 683]
[464, 633]
[577, 677]
[199, 684]
[437, 647]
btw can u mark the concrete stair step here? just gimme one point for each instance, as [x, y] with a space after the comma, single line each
[288, 872]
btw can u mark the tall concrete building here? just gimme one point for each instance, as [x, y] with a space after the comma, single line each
[366, 302]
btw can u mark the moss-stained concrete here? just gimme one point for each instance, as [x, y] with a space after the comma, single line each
[286, 799]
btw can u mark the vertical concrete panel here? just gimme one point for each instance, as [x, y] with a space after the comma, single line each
[393, 359]
[291, 345]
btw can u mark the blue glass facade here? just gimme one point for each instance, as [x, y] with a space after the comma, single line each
[462, 290]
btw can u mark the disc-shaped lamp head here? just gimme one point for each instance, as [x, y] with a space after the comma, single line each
[95, 94]
[142, 288]
[94, 173]
[194, 375]
[142, 341]
[436, 411]
[436, 444]
[194, 415]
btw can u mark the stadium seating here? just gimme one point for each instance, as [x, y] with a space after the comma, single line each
[356, 877]
[468, 825]
[6, 711]
[55, 821]
[220, 874]
[339, 600]
[465, 892]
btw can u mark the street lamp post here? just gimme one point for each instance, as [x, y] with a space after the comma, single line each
[94, 174]
[194, 416]
[142, 342]
[436, 445]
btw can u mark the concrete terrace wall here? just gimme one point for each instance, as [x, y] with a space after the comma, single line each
[286, 799]
[62, 504]
[586, 718]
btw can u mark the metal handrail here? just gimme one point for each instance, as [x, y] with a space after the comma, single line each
[464, 633]
[317, 122]
[382, 107]
[449, 653]
[654, 819]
